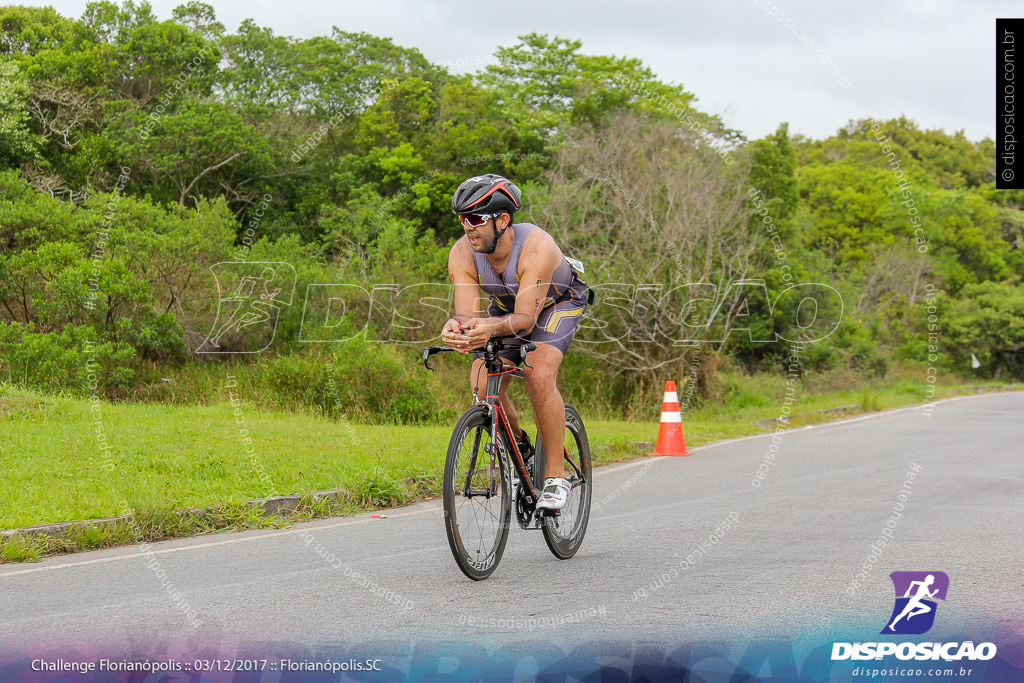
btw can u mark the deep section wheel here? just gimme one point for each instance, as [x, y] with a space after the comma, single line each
[477, 496]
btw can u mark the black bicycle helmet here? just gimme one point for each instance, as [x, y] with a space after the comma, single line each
[486, 194]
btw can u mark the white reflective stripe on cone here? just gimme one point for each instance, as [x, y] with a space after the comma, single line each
[672, 417]
[671, 397]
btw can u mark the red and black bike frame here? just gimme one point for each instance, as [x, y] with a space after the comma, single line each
[496, 370]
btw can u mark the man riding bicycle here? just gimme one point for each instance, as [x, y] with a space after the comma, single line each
[536, 296]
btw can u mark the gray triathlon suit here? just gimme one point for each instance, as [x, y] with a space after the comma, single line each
[560, 310]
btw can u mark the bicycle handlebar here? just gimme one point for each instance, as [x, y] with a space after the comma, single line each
[430, 351]
[492, 349]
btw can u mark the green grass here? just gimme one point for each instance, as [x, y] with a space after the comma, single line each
[166, 459]
[172, 458]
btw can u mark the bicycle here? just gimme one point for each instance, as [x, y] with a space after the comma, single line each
[479, 487]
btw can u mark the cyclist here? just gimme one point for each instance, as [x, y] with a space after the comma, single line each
[536, 295]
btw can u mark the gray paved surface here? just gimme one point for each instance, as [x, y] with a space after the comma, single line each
[783, 569]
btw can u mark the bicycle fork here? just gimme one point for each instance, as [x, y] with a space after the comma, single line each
[491, 449]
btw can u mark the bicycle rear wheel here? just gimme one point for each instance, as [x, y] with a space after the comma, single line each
[564, 534]
[477, 496]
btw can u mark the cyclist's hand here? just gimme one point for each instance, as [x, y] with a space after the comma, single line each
[477, 331]
[454, 335]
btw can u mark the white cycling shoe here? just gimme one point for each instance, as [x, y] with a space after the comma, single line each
[555, 495]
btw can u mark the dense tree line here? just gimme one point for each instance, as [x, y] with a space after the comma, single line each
[135, 153]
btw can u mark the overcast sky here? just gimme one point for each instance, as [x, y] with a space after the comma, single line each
[756, 63]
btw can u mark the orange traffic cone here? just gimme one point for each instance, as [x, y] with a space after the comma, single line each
[670, 434]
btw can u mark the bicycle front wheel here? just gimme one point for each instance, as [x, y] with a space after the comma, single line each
[564, 534]
[477, 496]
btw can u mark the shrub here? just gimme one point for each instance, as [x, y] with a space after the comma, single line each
[987, 321]
[71, 361]
[356, 380]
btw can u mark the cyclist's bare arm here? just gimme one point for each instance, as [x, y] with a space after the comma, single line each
[462, 270]
[537, 263]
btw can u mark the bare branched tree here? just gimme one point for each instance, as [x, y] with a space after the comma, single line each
[52, 184]
[895, 274]
[63, 114]
[661, 223]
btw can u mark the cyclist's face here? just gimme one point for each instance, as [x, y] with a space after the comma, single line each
[483, 237]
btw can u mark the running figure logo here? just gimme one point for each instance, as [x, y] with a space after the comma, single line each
[914, 612]
[247, 317]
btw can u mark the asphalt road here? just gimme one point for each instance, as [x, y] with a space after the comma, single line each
[785, 567]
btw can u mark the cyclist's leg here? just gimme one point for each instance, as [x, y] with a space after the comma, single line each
[555, 329]
[506, 405]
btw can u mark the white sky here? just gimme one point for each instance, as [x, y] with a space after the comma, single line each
[931, 60]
